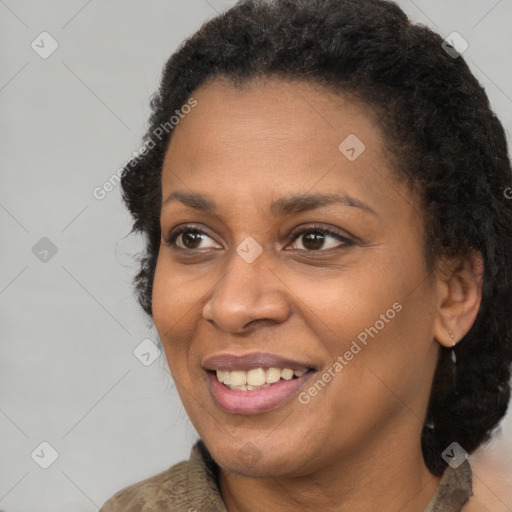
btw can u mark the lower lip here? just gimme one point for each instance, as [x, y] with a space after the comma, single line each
[255, 401]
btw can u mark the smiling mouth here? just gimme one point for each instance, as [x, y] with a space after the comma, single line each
[256, 378]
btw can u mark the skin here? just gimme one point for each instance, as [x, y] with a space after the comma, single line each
[244, 147]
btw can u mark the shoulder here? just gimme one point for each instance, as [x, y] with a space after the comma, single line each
[492, 487]
[164, 491]
[188, 486]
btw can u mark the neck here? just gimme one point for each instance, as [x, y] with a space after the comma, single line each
[392, 479]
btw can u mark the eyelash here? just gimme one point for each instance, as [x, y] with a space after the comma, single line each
[296, 234]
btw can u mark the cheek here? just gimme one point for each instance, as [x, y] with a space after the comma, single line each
[172, 302]
[347, 303]
[163, 300]
[380, 324]
[175, 292]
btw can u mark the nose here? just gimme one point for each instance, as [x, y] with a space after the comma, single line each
[248, 294]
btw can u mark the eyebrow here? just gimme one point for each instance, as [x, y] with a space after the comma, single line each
[295, 203]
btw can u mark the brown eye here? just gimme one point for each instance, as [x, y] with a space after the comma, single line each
[190, 238]
[315, 239]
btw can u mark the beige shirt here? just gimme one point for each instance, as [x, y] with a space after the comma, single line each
[191, 486]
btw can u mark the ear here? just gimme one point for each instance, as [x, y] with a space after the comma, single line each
[459, 294]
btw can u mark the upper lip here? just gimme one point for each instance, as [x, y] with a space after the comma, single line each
[230, 362]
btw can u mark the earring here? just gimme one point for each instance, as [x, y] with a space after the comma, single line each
[454, 357]
[454, 360]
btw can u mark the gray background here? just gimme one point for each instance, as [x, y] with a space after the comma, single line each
[69, 325]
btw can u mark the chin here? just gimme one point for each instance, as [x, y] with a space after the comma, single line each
[261, 460]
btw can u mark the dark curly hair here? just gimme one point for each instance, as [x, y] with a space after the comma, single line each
[440, 132]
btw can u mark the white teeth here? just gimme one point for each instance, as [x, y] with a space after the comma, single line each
[223, 377]
[257, 378]
[273, 375]
[238, 378]
[287, 374]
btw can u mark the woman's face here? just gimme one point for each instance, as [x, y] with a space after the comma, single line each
[311, 258]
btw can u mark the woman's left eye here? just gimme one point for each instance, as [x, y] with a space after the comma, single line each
[312, 239]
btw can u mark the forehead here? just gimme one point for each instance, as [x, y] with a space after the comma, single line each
[271, 135]
[269, 110]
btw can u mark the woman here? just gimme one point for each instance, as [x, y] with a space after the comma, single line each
[323, 195]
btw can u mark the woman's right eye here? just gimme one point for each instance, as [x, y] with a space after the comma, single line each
[189, 237]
